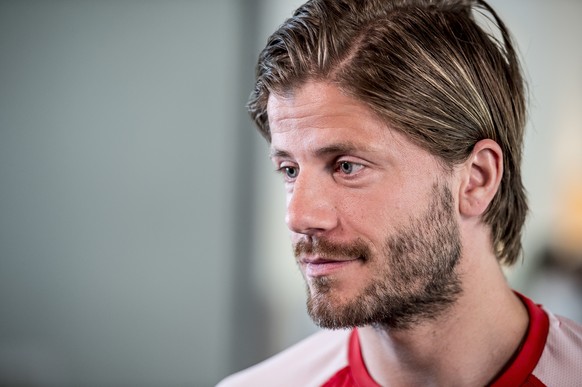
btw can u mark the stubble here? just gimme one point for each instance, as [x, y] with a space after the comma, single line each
[416, 279]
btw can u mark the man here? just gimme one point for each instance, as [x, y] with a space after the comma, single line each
[397, 127]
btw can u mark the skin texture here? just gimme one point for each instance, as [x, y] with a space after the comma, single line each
[359, 200]
[368, 210]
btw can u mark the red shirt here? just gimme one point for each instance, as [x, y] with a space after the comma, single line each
[519, 373]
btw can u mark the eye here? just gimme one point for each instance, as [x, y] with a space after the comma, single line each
[349, 168]
[290, 172]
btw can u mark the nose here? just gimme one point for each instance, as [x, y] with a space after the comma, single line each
[310, 207]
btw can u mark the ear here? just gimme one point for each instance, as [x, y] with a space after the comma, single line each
[481, 178]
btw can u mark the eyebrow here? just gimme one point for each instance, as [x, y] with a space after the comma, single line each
[332, 149]
[277, 153]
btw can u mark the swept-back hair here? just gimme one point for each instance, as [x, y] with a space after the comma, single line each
[427, 68]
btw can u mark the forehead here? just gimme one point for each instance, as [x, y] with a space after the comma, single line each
[318, 118]
[315, 105]
[319, 113]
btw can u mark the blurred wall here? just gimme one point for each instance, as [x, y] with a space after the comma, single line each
[119, 183]
[548, 35]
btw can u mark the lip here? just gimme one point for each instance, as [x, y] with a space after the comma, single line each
[321, 267]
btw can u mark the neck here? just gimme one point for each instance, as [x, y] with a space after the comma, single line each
[468, 345]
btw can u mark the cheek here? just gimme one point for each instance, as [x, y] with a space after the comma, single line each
[379, 214]
[368, 213]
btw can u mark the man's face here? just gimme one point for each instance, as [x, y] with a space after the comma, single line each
[371, 214]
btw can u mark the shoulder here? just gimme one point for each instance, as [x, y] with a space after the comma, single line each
[308, 363]
[560, 362]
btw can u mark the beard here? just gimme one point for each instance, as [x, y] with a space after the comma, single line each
[415, 277]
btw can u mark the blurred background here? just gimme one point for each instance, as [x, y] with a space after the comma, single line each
[142, 240]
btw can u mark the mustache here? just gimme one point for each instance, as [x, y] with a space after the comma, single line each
[327, 249]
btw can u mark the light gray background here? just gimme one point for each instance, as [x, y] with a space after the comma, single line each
[142, 240]
[120, 126]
